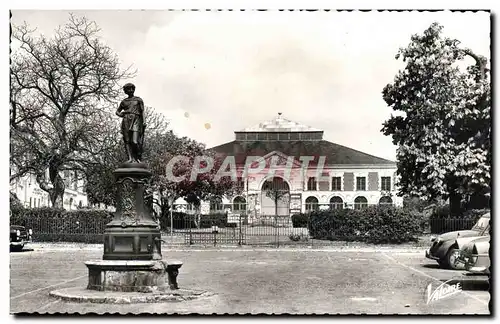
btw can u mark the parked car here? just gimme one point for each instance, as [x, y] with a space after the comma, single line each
[475, 256]
[446, 247]
[19, 236]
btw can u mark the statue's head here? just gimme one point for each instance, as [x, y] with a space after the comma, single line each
[129, 88]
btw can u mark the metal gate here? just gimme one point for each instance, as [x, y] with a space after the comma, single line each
[233, 230]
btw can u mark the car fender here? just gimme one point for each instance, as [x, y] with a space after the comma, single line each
[461, 241]
[483, 247]
[444, 248]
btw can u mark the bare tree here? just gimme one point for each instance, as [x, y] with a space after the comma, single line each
[62, 91]
[276, 190]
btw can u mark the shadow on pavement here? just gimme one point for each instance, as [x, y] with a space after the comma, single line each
[471, 283]
[20, 251]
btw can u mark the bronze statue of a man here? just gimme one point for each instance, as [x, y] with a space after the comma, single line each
[131, 110]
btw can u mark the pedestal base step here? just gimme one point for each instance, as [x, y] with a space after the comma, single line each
[82, 295]
[133, 276]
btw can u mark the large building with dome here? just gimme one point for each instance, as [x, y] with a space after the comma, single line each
[336, 176]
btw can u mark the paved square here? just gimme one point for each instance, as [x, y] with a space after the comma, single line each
[294, 281]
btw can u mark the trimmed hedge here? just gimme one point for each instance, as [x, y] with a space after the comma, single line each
[58, 225]
[371, 225]
[300, 220]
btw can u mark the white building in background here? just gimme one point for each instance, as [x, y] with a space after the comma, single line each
[348, 178]
[31, 196]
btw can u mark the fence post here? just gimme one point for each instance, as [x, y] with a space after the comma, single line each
[309, 230]
[277, 231]
[239, 230]
[190, 233]
[214, 230]
[171, 221]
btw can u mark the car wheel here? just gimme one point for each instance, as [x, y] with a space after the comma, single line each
[451, 259]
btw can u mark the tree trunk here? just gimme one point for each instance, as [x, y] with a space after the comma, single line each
[56, 192]
[455, 204]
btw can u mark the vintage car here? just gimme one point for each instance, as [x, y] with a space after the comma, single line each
[19, 236]
[446, 247]
[475, 256]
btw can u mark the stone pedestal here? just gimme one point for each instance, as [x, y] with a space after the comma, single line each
[132, 234]
[133, 276]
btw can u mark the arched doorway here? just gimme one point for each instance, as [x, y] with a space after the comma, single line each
[275, 197]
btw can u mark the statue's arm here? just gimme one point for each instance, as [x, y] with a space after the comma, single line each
[119, 110]
[141, 106]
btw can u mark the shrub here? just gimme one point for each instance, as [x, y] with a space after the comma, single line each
[16, 210]
[300, 220]
[372, 225]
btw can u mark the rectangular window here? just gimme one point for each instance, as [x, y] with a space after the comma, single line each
[336, 183]
[262, 136]
[311, 184]
[385, 183]
[30, 202]
[240, 183]
[251, 136]
[305, 136]
[283, 136]
[361, 183]
[66, 178]
[272, 136]
[75, 181]
[294, 136]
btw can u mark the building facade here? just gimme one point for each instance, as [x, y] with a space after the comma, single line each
[304, 170]
[31, 196]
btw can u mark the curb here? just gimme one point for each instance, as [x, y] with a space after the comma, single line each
[195, 248]
[82, 295]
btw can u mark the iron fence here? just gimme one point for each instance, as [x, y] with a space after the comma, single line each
[226, 228]
[443, 225]
[66, 230]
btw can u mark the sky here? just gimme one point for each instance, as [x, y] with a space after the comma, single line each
[213, 73]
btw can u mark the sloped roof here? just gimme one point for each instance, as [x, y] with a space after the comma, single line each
[335, 154]
[280, 124]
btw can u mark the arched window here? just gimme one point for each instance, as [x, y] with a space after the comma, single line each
[311, 184]
[239, 204]
[336, 203]
[216, 205]
[311, 204]
[360, 202]
[385, 201]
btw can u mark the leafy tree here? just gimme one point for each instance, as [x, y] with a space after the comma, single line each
[61, 90]
[444, 126]
[205, 187]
